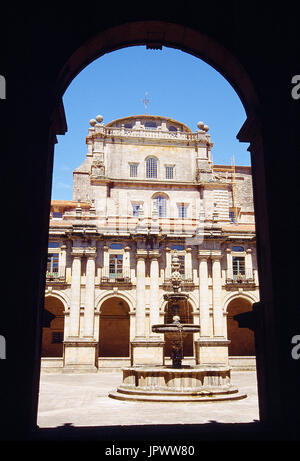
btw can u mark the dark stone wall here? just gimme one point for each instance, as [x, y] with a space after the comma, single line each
[35, 44]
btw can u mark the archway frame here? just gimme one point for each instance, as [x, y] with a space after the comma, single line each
[155, 34]
[231, 296]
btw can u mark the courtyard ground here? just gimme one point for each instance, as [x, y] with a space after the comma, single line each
[81, 400]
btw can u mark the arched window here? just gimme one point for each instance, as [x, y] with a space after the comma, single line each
[116, 246]
[161, 205]
[237, 249]
[151, 167]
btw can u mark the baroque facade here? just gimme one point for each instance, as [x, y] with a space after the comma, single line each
[148, 190]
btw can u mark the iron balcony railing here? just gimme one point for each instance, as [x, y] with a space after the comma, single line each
[246, 276]
[115, 276]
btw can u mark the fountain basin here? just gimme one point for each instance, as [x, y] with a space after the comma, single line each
[186, 384]
[184, 328]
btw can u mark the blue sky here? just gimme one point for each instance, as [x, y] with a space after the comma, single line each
[179, 86]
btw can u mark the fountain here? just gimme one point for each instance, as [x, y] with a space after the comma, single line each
[178, 382]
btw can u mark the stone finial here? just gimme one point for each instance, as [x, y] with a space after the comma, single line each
[200, 125]
[99, 118]
[93, 122]
[206, 128]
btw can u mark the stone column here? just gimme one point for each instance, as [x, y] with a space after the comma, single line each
[154, 291]
[188, 268]
[105, 269]
[168, 269]
[126, 262]
[218, 318]
[229, 270]
[204, 294]
[90, 294]
[62, 261]
[75, 294]
[248, 264]
[140, 316]
[146, 351]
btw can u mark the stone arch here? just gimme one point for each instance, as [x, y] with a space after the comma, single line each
[114, 328]
[247, 296]
[59, 295]
[166, 34]
[121, 294]
[53, 326]
[242, 339]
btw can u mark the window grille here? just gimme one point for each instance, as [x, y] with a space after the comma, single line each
[161, 204]
[133, 170]
[169, 172]
[151, 168]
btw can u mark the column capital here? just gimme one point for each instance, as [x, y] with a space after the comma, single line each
[204, 254]
[249, 250]
[141, 254]
[90, 252]
[228, 250]
[154, 254]
[216, 255]
[77, 252]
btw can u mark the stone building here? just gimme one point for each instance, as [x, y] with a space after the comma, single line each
[148, 190]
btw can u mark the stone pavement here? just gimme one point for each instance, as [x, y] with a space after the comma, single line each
[81, 400]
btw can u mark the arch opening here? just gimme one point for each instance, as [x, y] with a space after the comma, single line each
[53, 328]
[114, 328]
[242, 339]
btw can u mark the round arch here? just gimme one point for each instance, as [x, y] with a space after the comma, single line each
[53, 326]
[59, 295]
[120, 294]
[247, 296]
[166, 34]
[242, 341]
[114, 328]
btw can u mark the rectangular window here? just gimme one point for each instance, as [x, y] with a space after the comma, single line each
[52, 265]
[182, 211]
[238, 266]
[135, 210]
[115, 265]
[133, 170]
[231, 216]
[56, 214]
[169, 172]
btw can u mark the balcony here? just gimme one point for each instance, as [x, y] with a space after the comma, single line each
[115, 278]
[235, 278]
[54, 277]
